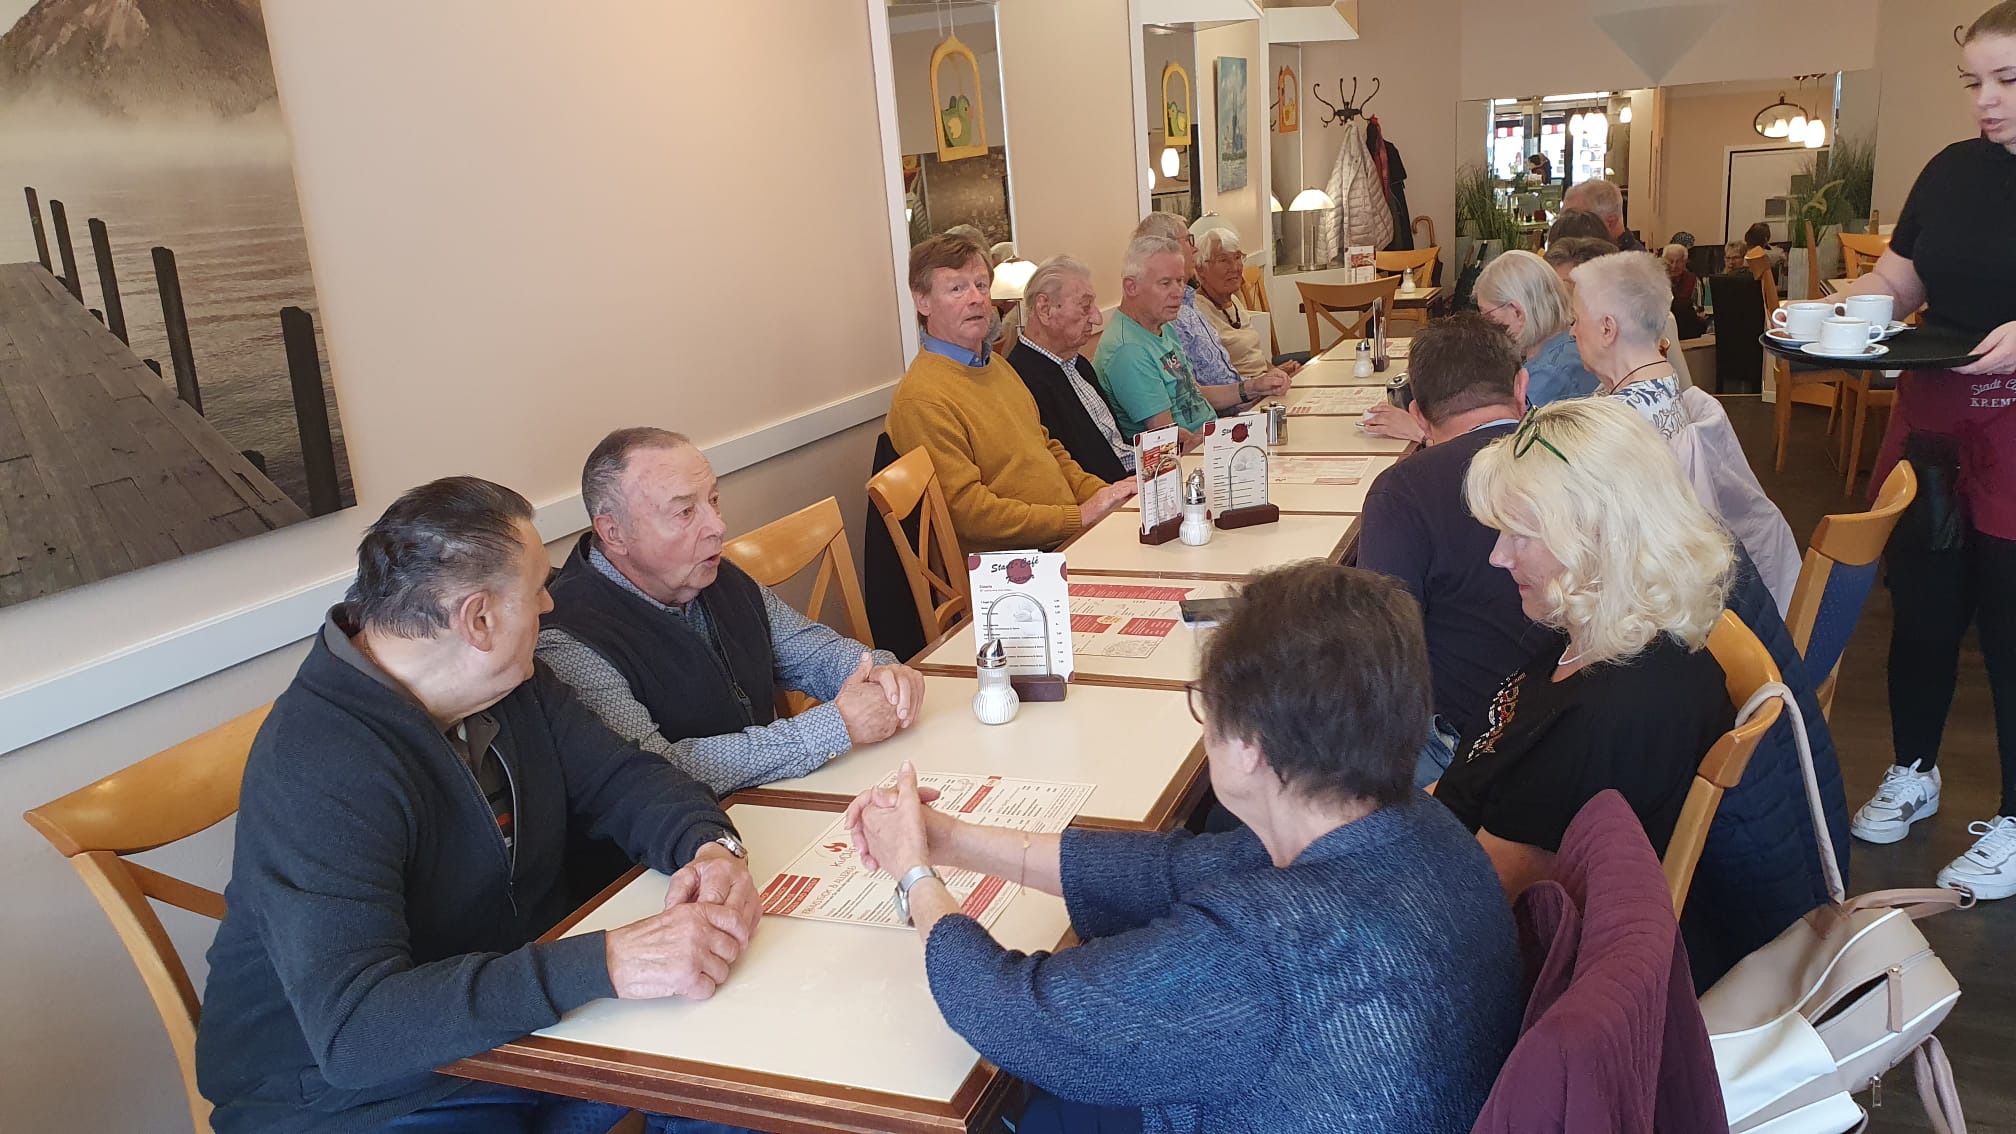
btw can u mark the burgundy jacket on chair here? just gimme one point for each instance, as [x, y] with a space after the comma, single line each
[1613, 1041]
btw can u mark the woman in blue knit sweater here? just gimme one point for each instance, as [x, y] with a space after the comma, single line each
[1346, 962]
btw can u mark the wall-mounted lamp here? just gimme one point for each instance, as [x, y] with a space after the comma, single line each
[1172, 162]
[1010, 278]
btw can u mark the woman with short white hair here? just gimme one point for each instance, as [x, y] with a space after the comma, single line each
[1621, 303]
[1609, 549]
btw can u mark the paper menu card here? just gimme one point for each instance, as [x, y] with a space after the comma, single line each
[1336, 401]
[1159, 474]
[1362, 262]
[1319, 470]
[827, 881]
[1124, 620]
[1235, 461]
[1022, 600]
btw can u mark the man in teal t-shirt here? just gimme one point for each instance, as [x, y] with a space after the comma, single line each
[1140, 362]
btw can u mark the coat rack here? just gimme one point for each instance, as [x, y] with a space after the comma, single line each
[1349, 108]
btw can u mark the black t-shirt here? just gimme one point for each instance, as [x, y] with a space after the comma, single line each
[1417, 529]
[1958, 229]
[1640, 726]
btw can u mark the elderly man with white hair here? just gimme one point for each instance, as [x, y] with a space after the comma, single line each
[1607, 202]
[1621, 303]
[1141, 363]
[1061, 312]
[1210, 362]
[1220, 273]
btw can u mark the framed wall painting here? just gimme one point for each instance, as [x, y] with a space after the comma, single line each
[1175, 106]
[1232, 114]
[1287, 102]
[959, 117]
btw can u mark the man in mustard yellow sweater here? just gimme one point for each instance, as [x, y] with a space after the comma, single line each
[1008, 482]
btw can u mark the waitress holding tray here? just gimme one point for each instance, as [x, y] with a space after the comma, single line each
[1952, 561]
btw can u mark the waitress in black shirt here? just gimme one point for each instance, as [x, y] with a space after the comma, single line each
[1954, 252]
[1609, 546]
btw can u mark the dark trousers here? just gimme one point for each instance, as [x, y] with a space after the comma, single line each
[485, 1108]
[1936, 595]
[1048, 1114]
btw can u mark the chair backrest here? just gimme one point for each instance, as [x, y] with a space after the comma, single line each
[1321, 302]
[1861, 250]
[782, 548]
[165, 798]
[1812, 263]
[934, 565]
[1838, 574]
[1760, 270]
[1253, 293]
[1422, 260]
[1746, 667]
[1739, 319]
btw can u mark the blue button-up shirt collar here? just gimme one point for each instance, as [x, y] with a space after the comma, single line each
[954, 351]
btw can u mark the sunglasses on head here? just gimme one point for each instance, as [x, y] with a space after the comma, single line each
[1528, 435]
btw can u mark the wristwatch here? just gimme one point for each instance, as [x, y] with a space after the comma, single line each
[732, 845]
[917, 874]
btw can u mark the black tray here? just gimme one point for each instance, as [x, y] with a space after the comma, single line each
[1921, 348]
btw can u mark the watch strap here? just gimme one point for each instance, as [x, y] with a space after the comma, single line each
[915, 875]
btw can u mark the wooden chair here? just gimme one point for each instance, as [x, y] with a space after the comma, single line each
[1863, 392]
[1321, 303]
[165, 798]
[780, 549]
[1861, 250]
[1786, 378]
[934, 565]
[1747, 667]
[1837, 576]
[1422, 260]
[1813, 290]
[1253, 293]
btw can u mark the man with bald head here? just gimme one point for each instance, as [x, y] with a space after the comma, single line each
[1607, 202]
[678, 650]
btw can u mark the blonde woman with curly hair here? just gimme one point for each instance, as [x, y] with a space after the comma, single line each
[1610, 548]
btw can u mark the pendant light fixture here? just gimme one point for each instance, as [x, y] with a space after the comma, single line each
[1788, 121]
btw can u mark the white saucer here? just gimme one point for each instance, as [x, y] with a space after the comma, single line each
[1780, 334]
[1874, 350]
[1896, 327]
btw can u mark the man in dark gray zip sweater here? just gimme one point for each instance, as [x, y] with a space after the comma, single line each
[400, 843]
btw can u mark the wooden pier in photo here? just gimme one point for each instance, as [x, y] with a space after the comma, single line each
[103, 469]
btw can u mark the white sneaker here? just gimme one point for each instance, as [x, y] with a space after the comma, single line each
[1988, 869]
[1907, 795]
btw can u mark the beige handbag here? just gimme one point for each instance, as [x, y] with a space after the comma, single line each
[1843, 995]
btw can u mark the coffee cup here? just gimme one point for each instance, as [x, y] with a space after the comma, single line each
[1842, 335]
[1878, 309]
[1801, 320]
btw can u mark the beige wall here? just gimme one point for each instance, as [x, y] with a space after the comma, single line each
[1700, 130]
[1924, 108]
[1411, 46]
[1068, 85]
[1245, 209]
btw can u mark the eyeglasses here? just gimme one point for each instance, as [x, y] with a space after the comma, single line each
[1486, 312]
[1193, 699]
[1528, 435]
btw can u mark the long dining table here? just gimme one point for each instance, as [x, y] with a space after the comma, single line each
[831, 1026]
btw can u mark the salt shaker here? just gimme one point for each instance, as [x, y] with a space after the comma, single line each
[996, 702]
[1363, 367]
[1196, 528]
[1407, 280]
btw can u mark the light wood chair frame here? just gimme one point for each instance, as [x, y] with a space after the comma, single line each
[781, 549]
[1852, 539]
[934, 566]
[1422, 260]
[1760, 270]
[1253, 293]
[167, 797]
[1322, 303]
[1860, 247]
[1746, 667]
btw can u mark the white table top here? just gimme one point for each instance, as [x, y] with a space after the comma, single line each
[840, 1004]
[1334, 435]
[1114, 547]
[1346, 350]
[1130, 743]
[1335, 401]
[1174, 660]
[1342, 499]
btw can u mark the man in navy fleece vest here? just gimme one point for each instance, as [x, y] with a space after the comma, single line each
[400, 848]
